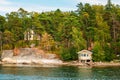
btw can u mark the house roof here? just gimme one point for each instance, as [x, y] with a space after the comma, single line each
[85, 51]
[28, 30]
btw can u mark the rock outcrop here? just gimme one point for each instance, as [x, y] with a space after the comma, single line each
[29, 56]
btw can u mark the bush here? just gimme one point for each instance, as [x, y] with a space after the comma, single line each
[109, 55]
[73, 53]
[65, 55]
[7, 46]
[98, 52]
[19, 44]
[68, 54]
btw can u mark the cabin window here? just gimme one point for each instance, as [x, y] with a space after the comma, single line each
[81, 55]
[86, 55]
[30, 36]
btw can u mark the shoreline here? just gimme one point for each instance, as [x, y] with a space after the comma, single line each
[35, 56]
[72, 63]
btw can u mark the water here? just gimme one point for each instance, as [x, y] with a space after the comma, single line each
[59, 73]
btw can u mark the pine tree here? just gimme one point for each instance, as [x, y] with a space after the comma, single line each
[109, 5]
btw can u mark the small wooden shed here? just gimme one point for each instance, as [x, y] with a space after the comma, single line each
[85, 56]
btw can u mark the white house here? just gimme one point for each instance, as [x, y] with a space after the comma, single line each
[29, 34]
[85, 56]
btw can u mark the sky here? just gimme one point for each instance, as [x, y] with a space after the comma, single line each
[7, 6]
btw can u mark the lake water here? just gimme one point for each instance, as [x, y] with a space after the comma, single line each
[59, 73]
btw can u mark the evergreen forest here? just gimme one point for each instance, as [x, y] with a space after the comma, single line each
[92, 27]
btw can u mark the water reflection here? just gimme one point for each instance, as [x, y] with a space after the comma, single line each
[85, 73]
[59, 73]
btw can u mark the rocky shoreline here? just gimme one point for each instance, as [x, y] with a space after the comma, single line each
[35, 56]
[71, 63]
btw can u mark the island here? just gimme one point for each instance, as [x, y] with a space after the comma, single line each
[58, 37]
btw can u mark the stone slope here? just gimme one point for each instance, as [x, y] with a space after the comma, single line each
[28, 56]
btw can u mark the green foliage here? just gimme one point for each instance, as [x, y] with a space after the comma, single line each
[8, 37]
[93, 27]
[98, 52]
[68, 54]
[73, 53]
[7, 46]
[109, 55]
[78, 41]
[2, 22]
[20, 44]
[65, 54]
[47, 42]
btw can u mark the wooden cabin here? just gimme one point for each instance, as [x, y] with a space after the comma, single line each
[85, 56]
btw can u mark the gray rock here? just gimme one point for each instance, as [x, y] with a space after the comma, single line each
[28, 56]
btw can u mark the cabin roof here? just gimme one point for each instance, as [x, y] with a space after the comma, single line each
[84, 51]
